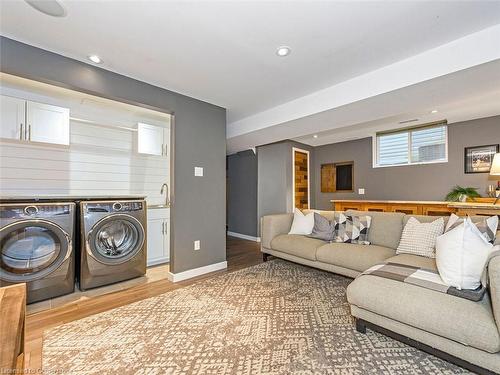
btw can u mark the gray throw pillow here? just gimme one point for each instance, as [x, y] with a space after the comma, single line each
[323, 229]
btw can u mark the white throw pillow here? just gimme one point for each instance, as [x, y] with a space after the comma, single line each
[488, 227]
[302, 224]
[420, 238]
[461, 256]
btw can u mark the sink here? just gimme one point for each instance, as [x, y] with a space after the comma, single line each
[157, 206]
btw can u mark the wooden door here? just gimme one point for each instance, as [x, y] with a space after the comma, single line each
[374, 207]
[405, 209]
[301, 187]
[433, 210]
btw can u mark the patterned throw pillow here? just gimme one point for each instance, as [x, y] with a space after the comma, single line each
[352, 229]
[488, 227]
[420, 238]
[323, 229]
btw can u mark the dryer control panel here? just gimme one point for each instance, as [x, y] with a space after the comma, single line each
[19, 211]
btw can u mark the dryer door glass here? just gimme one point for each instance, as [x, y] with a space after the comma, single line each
[116, 238]
[28, 248]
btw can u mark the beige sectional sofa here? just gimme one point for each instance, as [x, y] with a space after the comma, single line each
[456, 329]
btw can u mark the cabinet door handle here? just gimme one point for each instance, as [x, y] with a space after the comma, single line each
[21, 132]
[163, 227]
[29, 132]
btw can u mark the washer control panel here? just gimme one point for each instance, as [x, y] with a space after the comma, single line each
[118, 206]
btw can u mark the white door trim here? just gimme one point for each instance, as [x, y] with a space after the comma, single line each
[308, 176]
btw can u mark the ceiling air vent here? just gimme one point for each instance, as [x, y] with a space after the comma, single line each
[407, 121]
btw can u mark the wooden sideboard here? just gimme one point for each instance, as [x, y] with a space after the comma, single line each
[428, 208]
[12, 323]
[475, 209]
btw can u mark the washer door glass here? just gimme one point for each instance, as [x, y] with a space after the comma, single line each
[31, 247]
[116, 238]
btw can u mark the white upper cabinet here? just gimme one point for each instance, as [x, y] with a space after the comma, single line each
[47, 123]
[30, 121]
[152, 139]
[12, 117]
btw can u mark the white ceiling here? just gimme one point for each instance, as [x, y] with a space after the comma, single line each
[224, 52]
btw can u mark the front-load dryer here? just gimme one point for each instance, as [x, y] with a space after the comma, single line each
[36, 244]
[113, 242]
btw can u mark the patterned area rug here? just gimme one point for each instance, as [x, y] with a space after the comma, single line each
[274, 318]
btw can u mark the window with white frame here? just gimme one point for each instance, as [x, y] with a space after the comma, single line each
[420, 145]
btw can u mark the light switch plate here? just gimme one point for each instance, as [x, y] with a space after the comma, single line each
[197, 245]
[361, 191]
[198, 171]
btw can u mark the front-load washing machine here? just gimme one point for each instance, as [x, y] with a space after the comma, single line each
[113, 242]
[37, 248]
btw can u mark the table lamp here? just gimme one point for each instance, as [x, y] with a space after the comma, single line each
[495, 170]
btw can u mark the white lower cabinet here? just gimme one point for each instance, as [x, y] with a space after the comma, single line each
[158, 250]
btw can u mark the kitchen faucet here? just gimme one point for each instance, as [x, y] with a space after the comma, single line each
[167, 198]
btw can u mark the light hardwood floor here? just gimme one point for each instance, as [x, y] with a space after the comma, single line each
[240, 254]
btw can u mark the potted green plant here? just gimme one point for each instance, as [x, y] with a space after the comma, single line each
[460, 194]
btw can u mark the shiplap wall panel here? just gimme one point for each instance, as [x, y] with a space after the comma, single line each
[99, 161]
[59, 165]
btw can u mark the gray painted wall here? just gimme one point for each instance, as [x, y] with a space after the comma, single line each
[242, 193]
[418, 182]
[272, 179]
[275, 185]
[199, 139]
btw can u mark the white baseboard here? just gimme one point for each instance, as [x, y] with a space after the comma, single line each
[243, 236]
[175, 277]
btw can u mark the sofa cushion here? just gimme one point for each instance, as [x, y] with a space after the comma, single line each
[429, 219]
[385, 228]
[494, 283]
[294, 244]
[353, 256]
[464, 321]
[424, 219]
[414, 260]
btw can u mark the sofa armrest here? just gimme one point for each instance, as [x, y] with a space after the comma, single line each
[494, 284]
[272, 226]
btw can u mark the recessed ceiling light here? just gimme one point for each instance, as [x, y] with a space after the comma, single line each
[52, 8]
[283, 51]
[95, 59]
[434, 111]
[315, 136]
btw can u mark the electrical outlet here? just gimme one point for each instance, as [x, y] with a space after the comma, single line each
[198, 171]
[197, 245]
[361, 191]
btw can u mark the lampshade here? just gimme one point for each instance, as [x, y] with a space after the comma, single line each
[495, 166]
